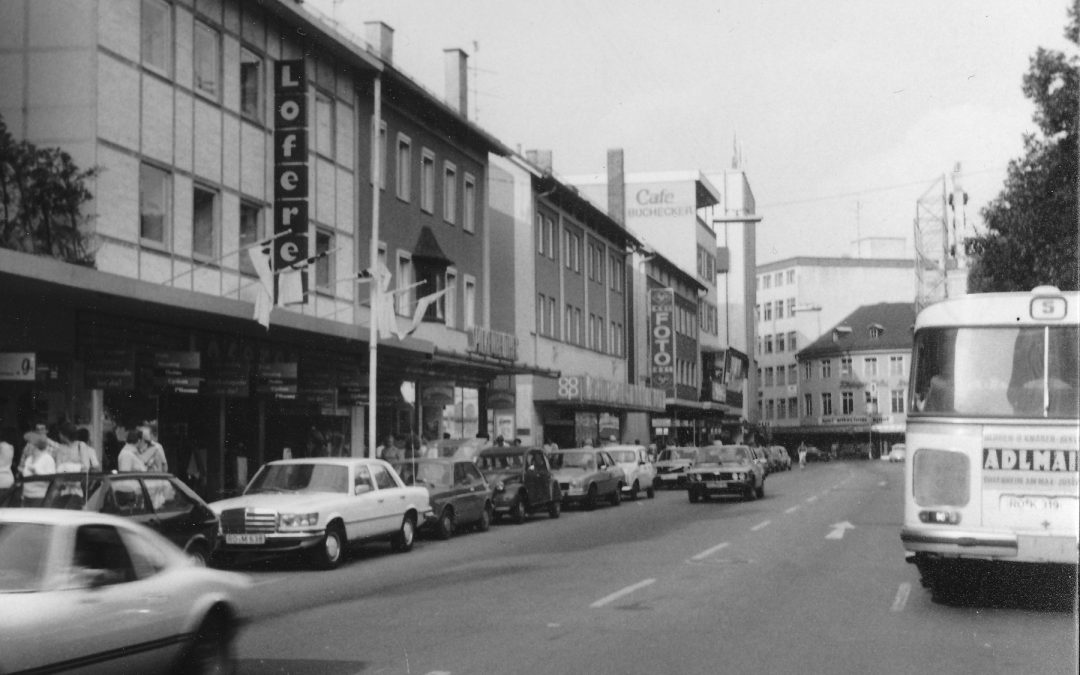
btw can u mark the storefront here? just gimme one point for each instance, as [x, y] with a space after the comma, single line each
[573, 410]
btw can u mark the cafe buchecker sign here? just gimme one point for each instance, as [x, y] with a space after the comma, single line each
[290, 164]
[662, 339]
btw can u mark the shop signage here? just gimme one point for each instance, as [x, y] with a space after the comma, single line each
[18, 366]
[290, 164]
[588, 389]
[662, 202]
[277, 380]
[178, 372]
[352, 388]
[231, 379]
[662, 339]
[736, 367]
[110, 369]
[492, 343]
[844, 419]
[438, 394]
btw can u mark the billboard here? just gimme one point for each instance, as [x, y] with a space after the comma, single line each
[662, 339]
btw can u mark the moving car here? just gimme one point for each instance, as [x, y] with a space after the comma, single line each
[160, 501]
[460, 497]
[587, 475]
[521, 481]
[637, 467]
[726, 470]
[88, 591]
[671, 465]
[321, 505]
[815, 455]
[898, 453]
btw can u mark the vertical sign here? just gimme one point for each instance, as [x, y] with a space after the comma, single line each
[290, 164]
[662, 339]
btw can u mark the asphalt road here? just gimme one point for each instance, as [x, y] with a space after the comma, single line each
[810, 579]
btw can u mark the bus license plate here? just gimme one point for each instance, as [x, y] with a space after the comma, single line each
[1026, 504]
[252, 539]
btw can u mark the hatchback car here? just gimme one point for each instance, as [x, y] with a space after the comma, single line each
[587, 475]
[898, 453]
[460, 497]
[160, 501]
[92, 592]
[521, 481]
[637, 467]
[671, 466]
[726, 470]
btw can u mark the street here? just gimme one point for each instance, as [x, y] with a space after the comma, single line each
[809, 579]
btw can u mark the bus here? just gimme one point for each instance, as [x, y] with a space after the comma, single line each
[993, 433]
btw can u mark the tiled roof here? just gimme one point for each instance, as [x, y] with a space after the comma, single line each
[893, 321]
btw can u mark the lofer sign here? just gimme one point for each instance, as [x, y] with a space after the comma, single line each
[290, 164]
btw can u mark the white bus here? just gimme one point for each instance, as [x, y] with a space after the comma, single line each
[993, 433]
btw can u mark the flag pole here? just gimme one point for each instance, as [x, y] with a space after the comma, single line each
[376, 292]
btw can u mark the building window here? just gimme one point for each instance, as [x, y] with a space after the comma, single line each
[427, 181]
[897, 398]
[870, 366]
[793, 407]
[781, 408]
[779, 309]
[808, 370]
[826, 404]
[876, 332]
[404, 168]
[541, 314]
[766, 281]
[826, 369]
[791, 341]
[250, 85]
[155, 198]
[896, 365]
[207, 60]
[791, 278]
[324, 124]
[779, 279]
[449, 198]
[781, 378]
[550, 235]
[204, 223]
[847, 401]
[780, 342]
[845, 366]
[156, 34]
[769, 376]
[380, 156]
[770, 406]
[791, 307]
[468, 218]
[768, 311]
[449, 300]
[793, 374]
[250, 233]
[808, 403]
[470, 302]
[324, 266]
[541, 239]
[768, 344]
[405, 278]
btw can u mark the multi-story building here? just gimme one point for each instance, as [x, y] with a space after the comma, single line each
[852, 382]
[795, 298]
[180, 106]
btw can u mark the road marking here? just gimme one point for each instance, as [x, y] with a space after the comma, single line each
[811, 499]
[883, 483]
[626, 591]
[793, 509]
[760, 525]
[709, 551]
[902, 594]
[839, 529]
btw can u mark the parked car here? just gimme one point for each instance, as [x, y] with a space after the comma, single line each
[587, 475]
[160, 501]
[521, 481]
[320, 506]
[815, 455]
[726, 470]
[765, 458]
[898, 453]
[783, 458]
[86, 590]
[671, 465]
[637, 467]
[460, 497]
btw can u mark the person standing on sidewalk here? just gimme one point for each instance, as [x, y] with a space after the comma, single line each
[802, 455]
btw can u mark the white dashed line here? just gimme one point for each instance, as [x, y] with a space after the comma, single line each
[793, 509]
[760, 525]
[625, 591]
[811, 499]
[709, 551]
[902, 594]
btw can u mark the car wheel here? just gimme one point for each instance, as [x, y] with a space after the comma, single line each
[555, 507]
[616, 497]
[590, 498]
[328, 555]
[445, 527]
[760, 492]
[650, 492]
[634, 489]
[517, 509]
[656, 484]
[750, 494]
[402, 542]
[486, 518]
[198, 553]
[692, 494]
[212, 649]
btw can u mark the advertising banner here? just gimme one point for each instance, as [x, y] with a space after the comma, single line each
[662, 339]
[736, 367]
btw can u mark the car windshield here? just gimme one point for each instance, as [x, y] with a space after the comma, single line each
[719, 454]
[300, 478]
[425, 473]
[678, 453]
[573, 460]
[624, 456]
[502, 462]
[23, 549]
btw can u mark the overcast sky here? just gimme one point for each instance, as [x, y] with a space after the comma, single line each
[845, 111]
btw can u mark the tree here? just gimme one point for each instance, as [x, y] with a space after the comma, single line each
[41, 196]
[1031, 236]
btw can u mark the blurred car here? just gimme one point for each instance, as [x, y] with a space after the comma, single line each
[160, 501]
[815, 455]
[671, 465]
[460, 497]
[320, 506]
[765, 458]
[466, 448]
[783, 458]
[637, 467]
[93, 592]
[521, 481]
[587, 475]
[726, 470]
[898, 453]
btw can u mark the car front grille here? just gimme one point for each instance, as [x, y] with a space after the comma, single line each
[240, 521]
[565, 487]
[708, 475]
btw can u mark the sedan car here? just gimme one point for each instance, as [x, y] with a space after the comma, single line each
[90, 592]
[460, 497]
[726, 470]
[671, 466]
[783, 459]
[319, 506]
[898, 453]
[587, 475]
[160, 501]
[521, 481]
[637, 467]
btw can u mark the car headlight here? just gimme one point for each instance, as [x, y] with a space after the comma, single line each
[298, 519]
[576, 483]
[498, 487]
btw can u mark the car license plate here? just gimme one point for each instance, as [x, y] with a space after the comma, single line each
[254, 539]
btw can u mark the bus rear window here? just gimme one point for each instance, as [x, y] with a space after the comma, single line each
[997, 372]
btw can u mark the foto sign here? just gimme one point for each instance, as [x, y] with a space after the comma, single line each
[662, 339]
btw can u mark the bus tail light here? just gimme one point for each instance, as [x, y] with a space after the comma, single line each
[940, 517]
[941, 478]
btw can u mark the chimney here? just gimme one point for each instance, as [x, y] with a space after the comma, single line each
[380, 38]
[457, 80]
[616, 186]
[541, 159]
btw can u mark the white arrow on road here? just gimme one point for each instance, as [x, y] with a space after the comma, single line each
[838, 530]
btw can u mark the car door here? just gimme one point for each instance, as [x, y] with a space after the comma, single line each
[646, 470]
[612, 472]
[537, 477]
[126, 497]
[362, 511]
[390, 500]
[174, 513]
[468, 492]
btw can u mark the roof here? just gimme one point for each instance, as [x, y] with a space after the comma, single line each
[814, 261]
[852, 334]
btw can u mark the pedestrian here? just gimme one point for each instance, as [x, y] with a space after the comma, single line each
[802, 455]
[151, 452]
[72, 454]
[40, 430]
[7, 478]
[286, 452]
[388, 450]
[128, 457]
[38, 463]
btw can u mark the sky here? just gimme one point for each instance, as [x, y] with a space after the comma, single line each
[844, 112]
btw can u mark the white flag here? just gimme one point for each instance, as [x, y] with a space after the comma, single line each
[264, 298]
[421, 308]
[291, 285]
